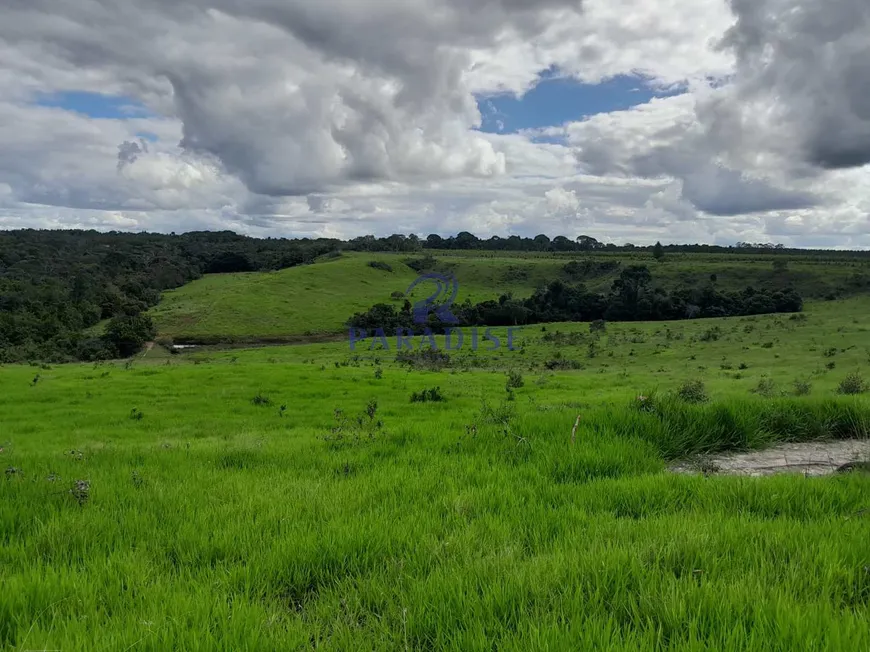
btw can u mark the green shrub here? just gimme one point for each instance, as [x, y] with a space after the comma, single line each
[128, 334]
[801, 387]
[711, 334]
[766, 388]
[693, 391]
[432, 394]
[852, 384]
[562, 364]
[514, 380]
[379, 264]
[425, 264]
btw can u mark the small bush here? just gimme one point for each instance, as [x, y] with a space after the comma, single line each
[81, 491]
[598, 326]
[558, 363]
[379, 373]
[515, 380]
[693, 391]
[801, 387]
[645, 402]
[767, 345]
[831, 365]
[136, 414]
[743, 366]
[425, 264]
[711, 334]
[766, 388]
[261, 400]
[831, 352]
[379, 264]
[397, 295]
[365, 428]
[433, 395]
[429, 359]
[852, 384]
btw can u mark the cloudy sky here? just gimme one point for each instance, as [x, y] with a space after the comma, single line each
[627, 120]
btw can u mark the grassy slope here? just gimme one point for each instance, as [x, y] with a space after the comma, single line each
[213, 523]
[318, 298]
[640, 355]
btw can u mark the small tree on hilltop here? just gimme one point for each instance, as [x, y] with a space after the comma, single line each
[659, 252]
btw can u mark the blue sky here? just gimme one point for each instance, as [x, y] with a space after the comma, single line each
[553, 101]
[556, 100]
[95, 105]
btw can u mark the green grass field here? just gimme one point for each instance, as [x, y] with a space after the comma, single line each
[298, 303]
[294, 497]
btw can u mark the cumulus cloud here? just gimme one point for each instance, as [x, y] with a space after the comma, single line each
[128, 152]
[802, 81]
[294, 97]
[664, 139]
[346, 117]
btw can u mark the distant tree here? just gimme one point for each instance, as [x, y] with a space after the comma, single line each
[465, 240]
[127, 335]
[396, 242]
[659, 252]
[542, 242]
[587, 243]
[561, 243]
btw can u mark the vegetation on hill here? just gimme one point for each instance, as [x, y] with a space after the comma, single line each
[630, 299]
[54, 285]
[58, 289]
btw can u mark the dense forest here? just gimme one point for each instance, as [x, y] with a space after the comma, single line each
[55, 285]
[630, 299]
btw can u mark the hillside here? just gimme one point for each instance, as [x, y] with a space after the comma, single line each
[84, 295]
[317, 299]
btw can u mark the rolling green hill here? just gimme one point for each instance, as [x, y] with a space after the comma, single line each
[312, 301]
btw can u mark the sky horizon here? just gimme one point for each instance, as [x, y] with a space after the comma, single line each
[687, 121]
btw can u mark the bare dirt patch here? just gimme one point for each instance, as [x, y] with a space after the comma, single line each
[809, 458]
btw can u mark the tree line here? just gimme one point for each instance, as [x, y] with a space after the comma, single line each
[631, 298]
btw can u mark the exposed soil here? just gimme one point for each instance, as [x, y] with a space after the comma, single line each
[809, 458]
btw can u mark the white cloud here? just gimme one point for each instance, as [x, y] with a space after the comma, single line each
[346, 117]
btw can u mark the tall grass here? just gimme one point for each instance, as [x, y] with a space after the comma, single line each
[677, 428]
